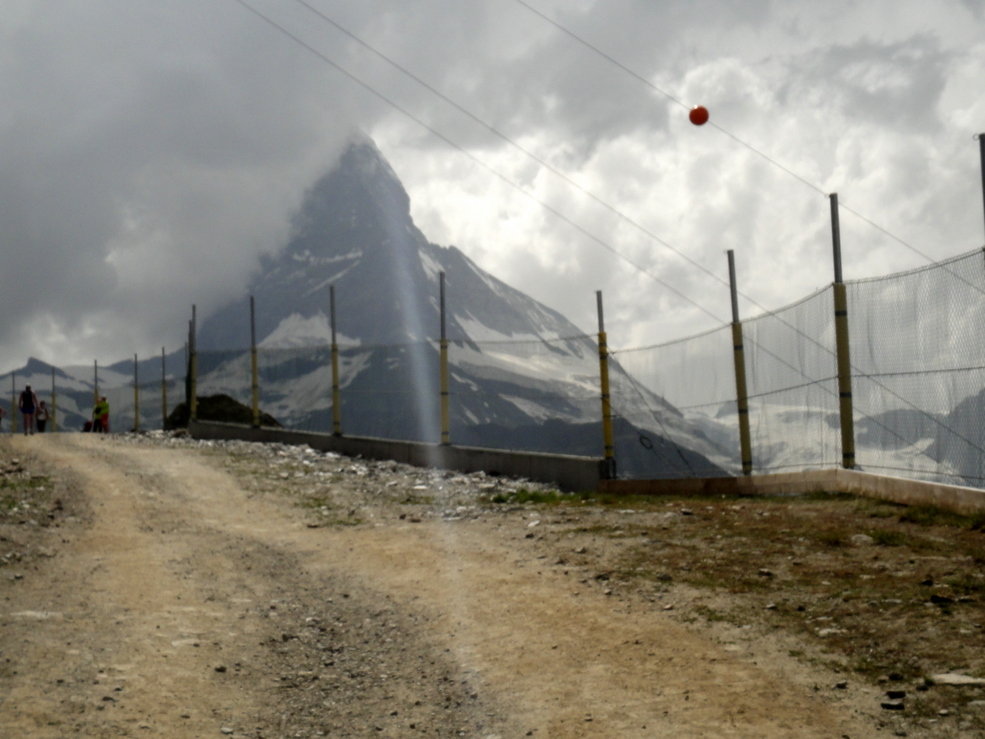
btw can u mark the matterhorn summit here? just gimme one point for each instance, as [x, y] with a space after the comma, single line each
[521, 374]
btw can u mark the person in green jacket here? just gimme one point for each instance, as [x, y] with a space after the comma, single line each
[100, 416]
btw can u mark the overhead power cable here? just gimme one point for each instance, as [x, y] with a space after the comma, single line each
[519, 188]
[793, 174]
[632, 73]
[505, 138]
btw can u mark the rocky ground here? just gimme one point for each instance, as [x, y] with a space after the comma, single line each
[826, 612]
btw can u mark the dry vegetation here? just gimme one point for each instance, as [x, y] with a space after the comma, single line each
[888, 594]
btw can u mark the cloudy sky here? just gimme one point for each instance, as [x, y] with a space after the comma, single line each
[151, 150]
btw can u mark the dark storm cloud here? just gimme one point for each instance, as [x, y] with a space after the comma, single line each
[177, 131]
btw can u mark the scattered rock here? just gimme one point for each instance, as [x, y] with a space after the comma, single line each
[893, 705]
[953, 678]
[862, 540]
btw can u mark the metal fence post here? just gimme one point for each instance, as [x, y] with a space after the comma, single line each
[193, 363]
[254, 373]
[981, 151]
[336, 392]
[741, 393]
[164, 389]
[842, 347]
[136, 397]
[609, 457]
[445, 429]
[54, 403]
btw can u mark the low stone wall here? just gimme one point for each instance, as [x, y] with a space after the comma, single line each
[893, 489]
[569, 473]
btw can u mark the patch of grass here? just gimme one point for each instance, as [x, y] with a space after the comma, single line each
[354, 521]
[711, 615]
[877, 508]
[890, 538]
[830, 538]
[550, 497]
[22, 483]
[930, 515]
[966, 582]
[824, 496]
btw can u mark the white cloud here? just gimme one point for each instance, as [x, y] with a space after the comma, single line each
[150, 152]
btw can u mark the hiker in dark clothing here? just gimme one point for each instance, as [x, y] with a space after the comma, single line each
[28, 404]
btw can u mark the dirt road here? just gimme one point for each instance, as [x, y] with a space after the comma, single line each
[181, 602]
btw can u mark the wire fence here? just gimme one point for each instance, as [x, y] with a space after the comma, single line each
[917, 342]
[917, 347]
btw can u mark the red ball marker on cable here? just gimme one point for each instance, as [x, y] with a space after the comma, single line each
[698, 115]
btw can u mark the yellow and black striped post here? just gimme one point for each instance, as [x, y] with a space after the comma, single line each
[254, 370]
[193, 362]
[609, 448]
[336, 391]
[54, 403]
[164, 389]
[445, 422]
[741, 393]
[136, 397]
[842, 347]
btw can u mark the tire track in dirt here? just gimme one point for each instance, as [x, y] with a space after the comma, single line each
[126, 644]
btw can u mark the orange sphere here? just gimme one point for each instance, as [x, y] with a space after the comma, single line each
[698, 115]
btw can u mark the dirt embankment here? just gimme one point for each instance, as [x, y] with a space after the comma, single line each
[263, 592]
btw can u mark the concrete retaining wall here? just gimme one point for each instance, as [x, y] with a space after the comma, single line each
[578, 474]
[569, 473]
[894, 489]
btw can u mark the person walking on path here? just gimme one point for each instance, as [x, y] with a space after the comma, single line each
[100, 416]
[28, 404]
[42, 416]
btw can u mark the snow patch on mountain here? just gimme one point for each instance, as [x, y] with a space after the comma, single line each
[296, 331]
[431, 266]
[331, 280]
[479, 332]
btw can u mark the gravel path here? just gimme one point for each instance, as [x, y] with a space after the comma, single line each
[174, 589]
